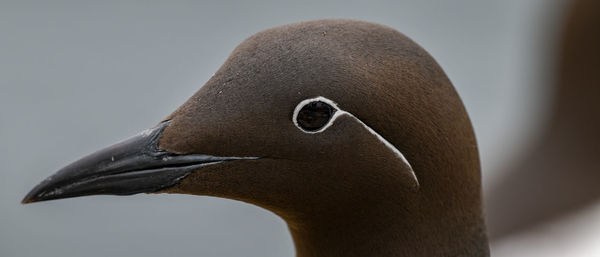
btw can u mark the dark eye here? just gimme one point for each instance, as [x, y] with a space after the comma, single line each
[314, 115]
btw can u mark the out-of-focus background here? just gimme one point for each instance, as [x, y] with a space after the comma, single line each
[79, 75]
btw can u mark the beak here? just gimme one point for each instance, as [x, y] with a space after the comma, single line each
[133, 166]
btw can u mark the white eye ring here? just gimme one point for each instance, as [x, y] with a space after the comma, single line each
[339, 112]
[336, 113]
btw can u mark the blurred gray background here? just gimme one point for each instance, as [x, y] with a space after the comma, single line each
[79, 75]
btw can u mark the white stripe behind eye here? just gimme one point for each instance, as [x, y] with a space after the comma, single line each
[339, 112]
[390, 146]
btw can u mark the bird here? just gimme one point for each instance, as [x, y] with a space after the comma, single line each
[348, 130]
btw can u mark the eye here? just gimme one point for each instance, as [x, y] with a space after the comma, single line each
[314, 115]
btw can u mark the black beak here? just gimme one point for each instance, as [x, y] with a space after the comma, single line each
[133, 166]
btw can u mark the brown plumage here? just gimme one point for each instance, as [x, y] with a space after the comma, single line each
[342, 192]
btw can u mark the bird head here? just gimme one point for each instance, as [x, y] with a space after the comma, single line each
[314, 119]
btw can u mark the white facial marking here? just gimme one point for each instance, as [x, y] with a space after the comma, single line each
[390, 146]
[336, 114]
[339, 112]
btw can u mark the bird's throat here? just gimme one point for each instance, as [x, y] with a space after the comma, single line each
[390, 232]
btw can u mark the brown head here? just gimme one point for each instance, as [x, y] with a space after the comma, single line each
[348, 130]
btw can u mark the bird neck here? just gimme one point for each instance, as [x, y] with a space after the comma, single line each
[388, 231]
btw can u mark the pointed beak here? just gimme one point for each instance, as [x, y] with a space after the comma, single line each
[133, 166]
